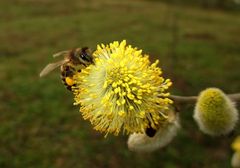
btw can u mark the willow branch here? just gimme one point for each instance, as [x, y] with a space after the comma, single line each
[192, 99]
[183, 99]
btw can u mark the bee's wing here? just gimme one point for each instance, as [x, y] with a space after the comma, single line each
[60, 53]
[50, 67]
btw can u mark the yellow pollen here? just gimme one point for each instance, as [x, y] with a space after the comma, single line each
[142, 114]
[118, 103]
[105, 85]
[130, 96]
[114, 84]
[121, 113]
[69, 81]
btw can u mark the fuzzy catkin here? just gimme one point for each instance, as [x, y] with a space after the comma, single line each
[215, 113]
[143, 143]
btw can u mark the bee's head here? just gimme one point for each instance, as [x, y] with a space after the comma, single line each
[84, 55]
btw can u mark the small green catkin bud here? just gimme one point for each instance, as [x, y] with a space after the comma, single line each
[215, 113]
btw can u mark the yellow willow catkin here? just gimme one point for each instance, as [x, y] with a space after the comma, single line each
[122, 90]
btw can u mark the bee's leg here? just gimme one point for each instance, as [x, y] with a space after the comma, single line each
[67, 72]
[69, 87]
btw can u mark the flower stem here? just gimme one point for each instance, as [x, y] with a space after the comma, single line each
[192, 99]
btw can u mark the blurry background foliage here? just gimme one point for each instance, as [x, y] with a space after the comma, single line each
[198, 47]
[217, 4]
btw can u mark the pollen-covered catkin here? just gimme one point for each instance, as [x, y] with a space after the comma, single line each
[122, 90]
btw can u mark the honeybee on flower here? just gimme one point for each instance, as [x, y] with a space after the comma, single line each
[122, 90]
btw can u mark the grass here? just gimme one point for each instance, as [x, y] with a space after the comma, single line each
[39, 125]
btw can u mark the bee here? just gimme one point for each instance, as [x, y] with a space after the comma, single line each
[74, 60]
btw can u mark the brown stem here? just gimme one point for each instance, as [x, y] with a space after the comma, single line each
[192, 99]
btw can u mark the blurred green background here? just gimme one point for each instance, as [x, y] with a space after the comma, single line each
[197, 42]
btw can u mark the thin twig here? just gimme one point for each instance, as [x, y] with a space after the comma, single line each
[235, 97]
[183, 99]
[192, 99]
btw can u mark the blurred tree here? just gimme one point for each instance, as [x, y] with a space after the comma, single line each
[223, 4]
